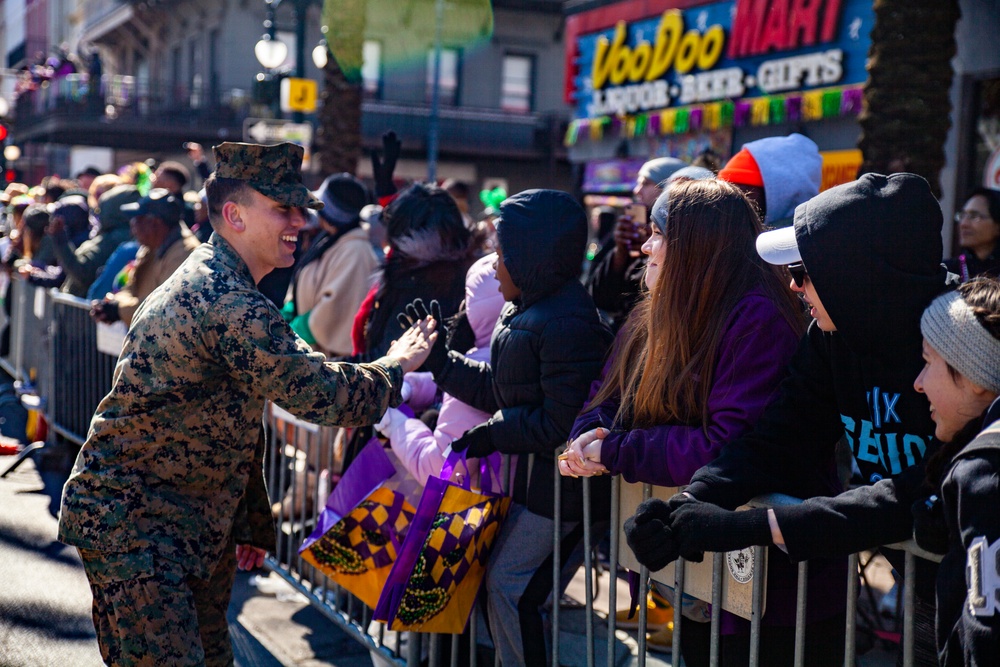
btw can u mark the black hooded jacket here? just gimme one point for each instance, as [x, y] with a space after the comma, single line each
[872, 249]
[547, 347]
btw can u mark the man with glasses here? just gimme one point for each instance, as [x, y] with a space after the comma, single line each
[871, 249]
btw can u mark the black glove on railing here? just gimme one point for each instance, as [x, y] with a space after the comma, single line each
[648, 536]
[699, 527]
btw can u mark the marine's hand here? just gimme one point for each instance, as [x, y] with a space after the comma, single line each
[412, 348]
[583, 456]
[249, 557]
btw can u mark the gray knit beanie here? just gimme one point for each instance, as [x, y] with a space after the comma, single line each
[950, 326]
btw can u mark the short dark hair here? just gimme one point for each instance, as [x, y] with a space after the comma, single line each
[36, 218]
[456, 188]
[220, 190]
[176, 170]
[992, 198]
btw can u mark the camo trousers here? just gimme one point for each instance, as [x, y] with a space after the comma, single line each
[147, 611]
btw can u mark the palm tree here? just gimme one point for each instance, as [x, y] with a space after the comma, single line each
[906, 113]
[338, 137]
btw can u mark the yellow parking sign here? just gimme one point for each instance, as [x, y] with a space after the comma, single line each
[298, 95]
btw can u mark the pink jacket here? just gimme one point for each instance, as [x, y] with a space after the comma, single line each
[420, 449]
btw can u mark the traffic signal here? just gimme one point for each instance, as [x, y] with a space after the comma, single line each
[3, 132]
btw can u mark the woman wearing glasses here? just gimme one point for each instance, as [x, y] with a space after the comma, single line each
[978, 232]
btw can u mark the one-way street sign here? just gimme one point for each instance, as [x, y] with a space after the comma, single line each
[275, 131]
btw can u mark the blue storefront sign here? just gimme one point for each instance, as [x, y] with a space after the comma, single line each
[740, 49]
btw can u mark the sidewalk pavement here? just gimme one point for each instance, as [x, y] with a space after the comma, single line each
[45, 600]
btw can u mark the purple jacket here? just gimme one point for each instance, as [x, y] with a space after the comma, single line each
[753, 357]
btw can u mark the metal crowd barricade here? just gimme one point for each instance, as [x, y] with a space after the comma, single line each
[296, 446]
[28, 359]
[56, 357]
[682, 582]
[83, 363]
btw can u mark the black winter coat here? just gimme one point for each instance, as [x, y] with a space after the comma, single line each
[547, 347]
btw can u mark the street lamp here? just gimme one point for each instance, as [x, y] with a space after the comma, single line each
[270, 47]
[320, 54]
[270, 51]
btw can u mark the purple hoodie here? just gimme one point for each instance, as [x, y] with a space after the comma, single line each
[420, 450]
[753, 357]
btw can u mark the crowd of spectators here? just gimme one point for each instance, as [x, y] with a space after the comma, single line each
[709, 381]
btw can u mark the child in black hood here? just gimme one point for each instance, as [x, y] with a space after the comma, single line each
[866, 258]
[548, 346]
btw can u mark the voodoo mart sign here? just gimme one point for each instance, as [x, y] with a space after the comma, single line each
[717, 51]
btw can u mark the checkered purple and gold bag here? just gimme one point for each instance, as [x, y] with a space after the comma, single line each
[364, 524]
[439, 570]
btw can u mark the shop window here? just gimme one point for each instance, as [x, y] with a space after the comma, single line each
[516, 83]
[448, 79]
[371, 69]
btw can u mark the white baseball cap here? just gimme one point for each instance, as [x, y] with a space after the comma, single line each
[779, 247]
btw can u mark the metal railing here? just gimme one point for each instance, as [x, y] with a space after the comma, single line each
[124, 96]
[55, 357]
[57, 348]
[297, 446]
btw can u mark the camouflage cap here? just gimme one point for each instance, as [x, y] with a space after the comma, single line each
[274, 171]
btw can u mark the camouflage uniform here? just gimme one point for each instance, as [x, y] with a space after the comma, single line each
[171, 475]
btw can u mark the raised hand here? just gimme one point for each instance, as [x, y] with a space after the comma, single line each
[413, 347]
[417, 312]
[383, 168]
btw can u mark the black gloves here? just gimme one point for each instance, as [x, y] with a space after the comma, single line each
[698, 526]
[661, 532]
[382, 169]
[476, 442]
[461, 337]
[929, 528]
[417, 311]
[649, 537]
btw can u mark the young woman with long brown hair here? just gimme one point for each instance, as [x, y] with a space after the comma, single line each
[693, 368]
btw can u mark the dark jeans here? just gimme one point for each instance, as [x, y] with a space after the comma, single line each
[824, 645]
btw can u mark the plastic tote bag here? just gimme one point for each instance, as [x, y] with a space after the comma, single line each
[434, 584]
[362, 528]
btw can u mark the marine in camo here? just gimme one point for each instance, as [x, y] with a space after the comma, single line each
[172, 469]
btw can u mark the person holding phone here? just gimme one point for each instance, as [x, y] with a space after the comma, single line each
[616, 276]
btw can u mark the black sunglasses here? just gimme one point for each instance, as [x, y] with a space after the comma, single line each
[799, 273]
